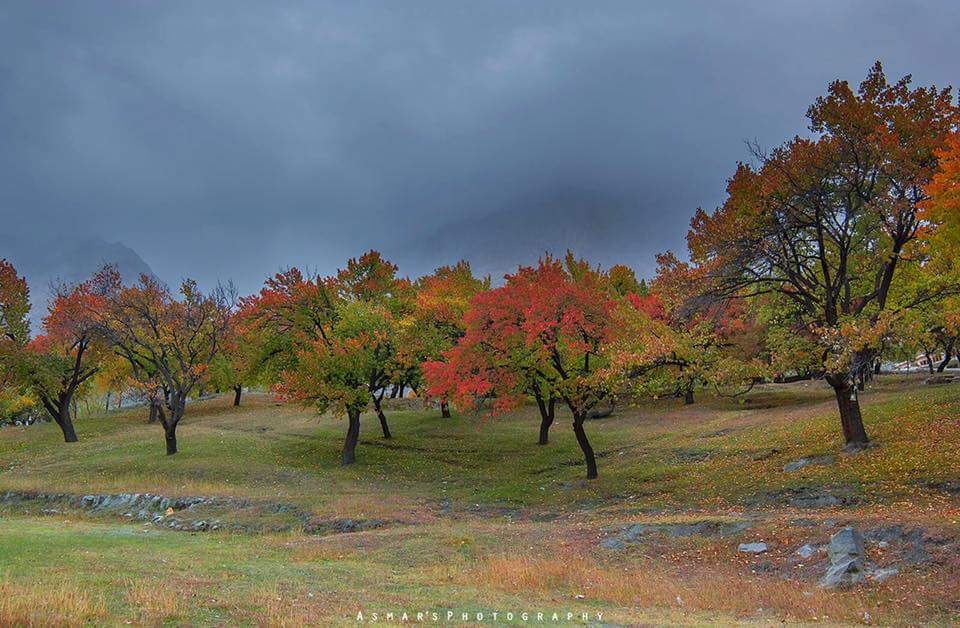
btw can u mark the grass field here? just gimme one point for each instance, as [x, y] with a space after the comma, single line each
[474, 517]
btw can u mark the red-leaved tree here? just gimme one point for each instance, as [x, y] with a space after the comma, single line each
[547, 331]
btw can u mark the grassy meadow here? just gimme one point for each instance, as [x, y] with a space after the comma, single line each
[473, 517]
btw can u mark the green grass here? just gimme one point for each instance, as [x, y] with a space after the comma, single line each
[447, 482]
[715, 452]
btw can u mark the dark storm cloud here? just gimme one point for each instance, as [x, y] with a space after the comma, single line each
[227, 139]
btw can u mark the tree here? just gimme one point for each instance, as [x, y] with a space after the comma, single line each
[327, 348]
[550, 325]
[436, 322]
[675, 340]
[54, 366]
[240, 357]
[623, 281]
[373, 280]
[14, 307]
[113, 376]
[168, 339]
[943, 205]
[826, 222]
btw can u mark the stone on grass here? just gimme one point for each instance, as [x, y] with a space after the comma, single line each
[806, 551]
[847, 543]
[753, 548]
[796, 465]
[846, 559]
[880, 574]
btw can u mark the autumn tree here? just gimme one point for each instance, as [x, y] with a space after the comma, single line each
[327, 347]
[54, 366]
[675, 340]
[168, 339]
[14, 307]
[113, 377]
[241, 357]
[942, 208]
[826, 222]
[436, 322]
[550, 325]
[373, 280]
[622, 280]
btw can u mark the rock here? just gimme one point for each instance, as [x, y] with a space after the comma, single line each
[803, 522]
[910, 543]
[879, 574]
[796, 465]
[804, 497]
[951, 487]
[846, 572]
[806, 551]
[753, 548]
[817, 501]
[633, 533]
[845, 544]
[846, 559]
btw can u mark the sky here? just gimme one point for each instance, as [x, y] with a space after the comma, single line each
[228, 140]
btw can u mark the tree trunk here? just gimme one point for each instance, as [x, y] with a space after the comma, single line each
[445, 409]
[581, 435]
[153, 413]
[108, 401]
[854, 434]
[237, 391]
[688, 396]
[546, 419]
[170, 434]
[929, 360]
[383, 424]
[66, 422]
[947, 356]
[353, 435]
[69, 434]
[383, 418]
[60, 413]
[177, 405]
[876, 367]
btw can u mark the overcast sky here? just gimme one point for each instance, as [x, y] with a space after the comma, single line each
[228, 139]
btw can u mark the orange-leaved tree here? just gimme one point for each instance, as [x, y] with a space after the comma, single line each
[168, 339]
[437, 320]
[826, 223]
[54, 366]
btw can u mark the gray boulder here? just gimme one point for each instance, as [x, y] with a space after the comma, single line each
[847, 543]
[846, 559]
[806, 551]
[753, 548]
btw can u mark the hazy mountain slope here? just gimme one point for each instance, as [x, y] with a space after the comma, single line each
[594, 226]
[46, 262]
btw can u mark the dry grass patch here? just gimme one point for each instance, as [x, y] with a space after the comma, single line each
[278, 606]
[45, 605]
[707, 589]
[155, 601]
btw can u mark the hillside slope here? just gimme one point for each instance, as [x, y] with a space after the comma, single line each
[470, 514]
